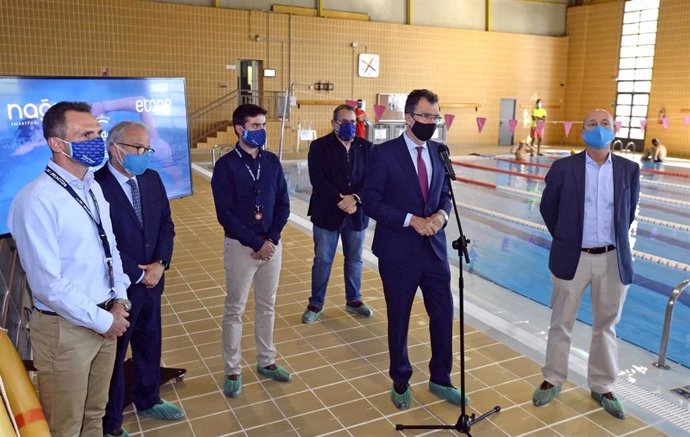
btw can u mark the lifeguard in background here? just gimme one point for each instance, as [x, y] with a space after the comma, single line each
[538, 115]
[361, 116]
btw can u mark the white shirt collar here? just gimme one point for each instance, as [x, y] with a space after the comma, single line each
[590, 161]
[70, 178]
[122, 179]
[411, 145]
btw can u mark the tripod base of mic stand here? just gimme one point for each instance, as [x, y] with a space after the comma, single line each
[463, 425]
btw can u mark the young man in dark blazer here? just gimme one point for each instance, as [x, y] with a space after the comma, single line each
[337, 164]
[408, 195]
[143, 227]
[588, 205]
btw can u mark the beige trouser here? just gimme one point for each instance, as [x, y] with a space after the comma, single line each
[74, 368]
[240, 271]
[608, 295]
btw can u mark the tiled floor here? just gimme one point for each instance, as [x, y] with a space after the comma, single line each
[340, 384]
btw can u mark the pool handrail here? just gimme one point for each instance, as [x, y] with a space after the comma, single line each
[224, 148]
[661, 363]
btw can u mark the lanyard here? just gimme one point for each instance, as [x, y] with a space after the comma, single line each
[258, 215]
[101, 232]
[255, 179]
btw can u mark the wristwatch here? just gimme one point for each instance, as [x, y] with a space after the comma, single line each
[124, 302]
[164, 263]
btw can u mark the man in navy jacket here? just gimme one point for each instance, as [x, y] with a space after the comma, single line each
[144, 230]
[588, 205]
[337, 164]
[408, 195]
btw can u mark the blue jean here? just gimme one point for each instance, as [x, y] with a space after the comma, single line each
[325, 244]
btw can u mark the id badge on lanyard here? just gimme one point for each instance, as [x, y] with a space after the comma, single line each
[258, 207]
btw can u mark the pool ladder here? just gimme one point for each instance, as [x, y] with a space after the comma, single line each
[630, 147]
[661, 364]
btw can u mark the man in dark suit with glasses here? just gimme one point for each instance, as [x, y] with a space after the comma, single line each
[408, 195]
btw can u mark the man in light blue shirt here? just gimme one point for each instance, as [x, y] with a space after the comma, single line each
[62, 227]
[588, 205]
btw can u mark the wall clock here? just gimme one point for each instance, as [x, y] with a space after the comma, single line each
[368, 65]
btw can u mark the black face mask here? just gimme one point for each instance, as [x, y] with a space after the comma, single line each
[422, 131]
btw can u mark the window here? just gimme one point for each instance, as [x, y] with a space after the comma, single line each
[635, 66]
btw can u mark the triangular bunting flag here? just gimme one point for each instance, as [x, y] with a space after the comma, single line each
[619, 125]
[481, 121]
[449, 119]
[664, 122]
[352, 103]
[643, 124]
[540, 127]
[567, 125]
[512, 124]
[378, 111]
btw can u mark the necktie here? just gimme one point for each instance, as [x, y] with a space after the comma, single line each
[421, 174]
[136, 199]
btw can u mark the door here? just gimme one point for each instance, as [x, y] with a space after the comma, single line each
[249, 81]
[507, 112]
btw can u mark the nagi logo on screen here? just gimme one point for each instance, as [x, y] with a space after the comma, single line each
[30, 113]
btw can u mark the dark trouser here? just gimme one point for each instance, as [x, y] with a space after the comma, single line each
[144, 333]
[400, 282]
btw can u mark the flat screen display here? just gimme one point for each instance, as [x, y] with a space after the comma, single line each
[159, 103]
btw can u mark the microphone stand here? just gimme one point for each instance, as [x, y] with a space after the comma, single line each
[465, 422]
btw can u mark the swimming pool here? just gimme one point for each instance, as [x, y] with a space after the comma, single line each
[506, 250]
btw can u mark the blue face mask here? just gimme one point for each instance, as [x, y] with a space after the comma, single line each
[346, 131]
[136, 164]
[90, 153]
[255, 138]
[598, 137]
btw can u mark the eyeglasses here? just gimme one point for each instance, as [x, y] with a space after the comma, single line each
[141, 150]
[428, 117]
[342, 122]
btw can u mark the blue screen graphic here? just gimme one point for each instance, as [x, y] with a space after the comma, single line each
[159, 103]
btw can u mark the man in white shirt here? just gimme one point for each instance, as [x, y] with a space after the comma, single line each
[62, 227]
[588, 206]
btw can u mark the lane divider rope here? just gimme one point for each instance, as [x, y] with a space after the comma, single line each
[644, 181]
[636, 253]
[660, 199]
[643, 170]
[640, 218]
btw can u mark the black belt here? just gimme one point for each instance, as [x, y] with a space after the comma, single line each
[598, 250]
[53, 313]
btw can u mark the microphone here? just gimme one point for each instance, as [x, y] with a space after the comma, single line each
[445, 157]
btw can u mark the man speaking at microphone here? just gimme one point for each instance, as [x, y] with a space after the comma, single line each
[408, 195]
